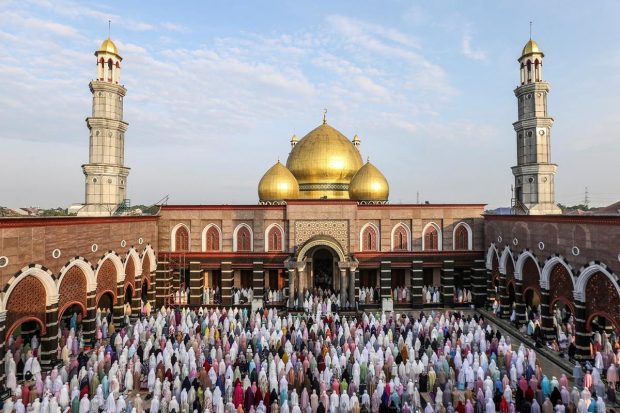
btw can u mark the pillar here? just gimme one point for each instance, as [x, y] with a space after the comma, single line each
[545, 311]
[258, 283]
[478, 283]
[118, 309]
[352, 295]
[88, 323]
[490, 290]
[447, 283]
[582, 338]
[49, 342]
[356, 278]
[291, 287]
[504, 299]
[195, 283]
[386, 286]
[162, 284]
[417, 284]
[3, 350]
[227, 283]
[150, 293]
[520, 304]
[136, 300]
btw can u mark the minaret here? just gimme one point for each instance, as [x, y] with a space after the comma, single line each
[105, 172]
[534, 191]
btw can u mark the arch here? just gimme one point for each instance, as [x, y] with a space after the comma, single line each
[432, 237]
[87, 270]
[459, 238]
[41, 273]
[503, 260]
[400, 235]
[180, 241]
[211, 238]
[118, 265]
[241, 233]
[321, 240]
[369, 237]
[605, 314]
[152, 260]
[589, 271]
[274, 238]
[64, 307]
[491, 252]
[564, 300]
[132, 269]
[9, 332]
[521, 262]
[550, 263]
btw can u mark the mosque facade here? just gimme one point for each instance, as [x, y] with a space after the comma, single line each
[323, 219]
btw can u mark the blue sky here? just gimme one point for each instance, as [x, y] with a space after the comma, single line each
[216, 89]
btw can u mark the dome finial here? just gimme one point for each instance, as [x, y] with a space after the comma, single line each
[530, 30]
[109, 28]
[368, 159]
[324, 116]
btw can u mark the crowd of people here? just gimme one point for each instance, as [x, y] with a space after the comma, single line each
[234, 360]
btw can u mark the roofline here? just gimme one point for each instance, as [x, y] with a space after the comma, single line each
[16, 222]
[560, 219]
[313, 202]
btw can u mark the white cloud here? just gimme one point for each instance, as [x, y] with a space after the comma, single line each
[468, 50]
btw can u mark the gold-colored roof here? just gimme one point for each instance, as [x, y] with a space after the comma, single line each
[108, 46]
[324, 157]
[277, 184]
[531, 47]
[369, 184]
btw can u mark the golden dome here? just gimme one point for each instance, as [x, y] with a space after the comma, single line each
[277, 184]
[369, 184]
[531, 47]
[324, 162]
[108, 46]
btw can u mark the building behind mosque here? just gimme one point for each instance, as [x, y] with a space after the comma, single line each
[323, 219]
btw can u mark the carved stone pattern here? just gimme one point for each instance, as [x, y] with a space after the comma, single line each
[560, 284]
[72, 288]
[531, 278]
[130, 274]
[106, 279]
[337, 229]
[146, 268]
[602, 297]
[26, 300]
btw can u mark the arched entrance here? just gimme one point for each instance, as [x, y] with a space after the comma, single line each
[71, 316]
[323, 269]
[128, 298]
[106, 302]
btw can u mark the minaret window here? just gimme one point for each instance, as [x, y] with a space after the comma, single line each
[110, 68]
[529, 71]
[537, 71]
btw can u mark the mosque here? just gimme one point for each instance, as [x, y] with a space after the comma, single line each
[323, 219]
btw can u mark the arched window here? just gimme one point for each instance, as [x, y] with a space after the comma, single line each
[212, 239]
[400, 238]
[461, 238]
[368, 240]
[181, 239]
[529, 71]
[274, 239]
[536, 71]
[101, 69]
[110, 67]
[431, 238]
[243, 238]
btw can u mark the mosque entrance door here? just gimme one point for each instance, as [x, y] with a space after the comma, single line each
[323, 268]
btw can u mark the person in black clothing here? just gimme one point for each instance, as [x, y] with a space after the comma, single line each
[321, 408]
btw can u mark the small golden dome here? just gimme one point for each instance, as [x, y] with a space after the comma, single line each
[369, 184]
[108, 46]
[277, 184]
[531, 47]
[324, 161]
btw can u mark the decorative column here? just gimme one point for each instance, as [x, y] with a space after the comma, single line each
[417, 284]
[546, 316]
[136, 299]
[162, 284]
[3, 350]
[490, 293]
[88, 323]
[582, 339]
[49, 342]
[447, 283]
[356, 277]
[195, 283]
[519, 299]
[227, 283]
[258, 285]
[479, 279]
[504, 299]
[352, 285]
[118, 307]
[301, 283]
[387, 302]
